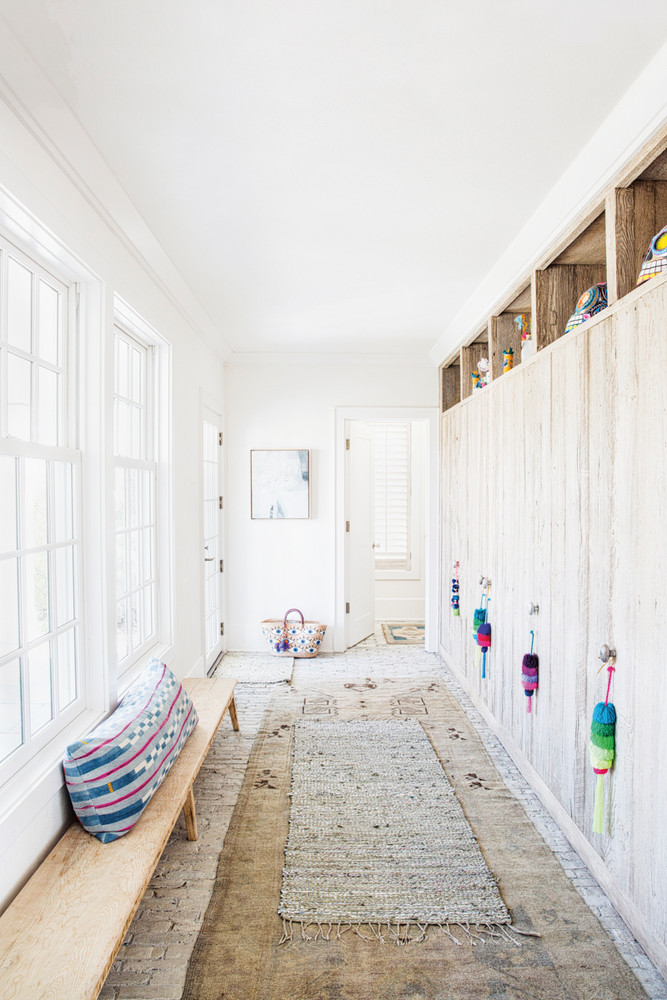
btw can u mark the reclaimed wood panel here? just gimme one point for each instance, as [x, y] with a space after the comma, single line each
[589, 247]
[503, 334]
[621, 262]
[553, 487]
[469, 358]
[451, 386]
[556, 292]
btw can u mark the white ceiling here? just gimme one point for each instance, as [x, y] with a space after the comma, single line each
[337, 176]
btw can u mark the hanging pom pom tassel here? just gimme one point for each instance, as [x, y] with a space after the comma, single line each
[484, 642]
[529, 669]
[602, 751]
[455, 590]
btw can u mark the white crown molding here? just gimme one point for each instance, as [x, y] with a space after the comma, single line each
[31, 97]
[634, 122]
[245, 360]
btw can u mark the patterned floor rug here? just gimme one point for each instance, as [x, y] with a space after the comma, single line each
[377, 839]
[256, 668]
[403, 634]
[238, 955]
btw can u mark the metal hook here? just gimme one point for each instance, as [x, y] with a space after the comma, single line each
[533, 609]
[606, 653]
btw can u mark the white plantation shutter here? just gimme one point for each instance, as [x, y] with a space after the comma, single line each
[392, 495]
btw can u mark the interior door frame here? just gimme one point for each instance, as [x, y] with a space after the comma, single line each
[429, 414]
[211, 406]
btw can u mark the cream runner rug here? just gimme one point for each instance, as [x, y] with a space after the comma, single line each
[377, 839]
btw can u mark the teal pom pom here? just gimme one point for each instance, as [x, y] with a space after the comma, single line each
[605, 714]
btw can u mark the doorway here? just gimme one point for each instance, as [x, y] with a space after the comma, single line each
[386, 521]
[213, 556]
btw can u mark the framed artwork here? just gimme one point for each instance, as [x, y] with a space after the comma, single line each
[279, 484]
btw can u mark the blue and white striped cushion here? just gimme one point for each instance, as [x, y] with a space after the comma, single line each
[113, 772]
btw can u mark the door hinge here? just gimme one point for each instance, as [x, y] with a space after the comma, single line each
[220, 502]
[222, 628]
[220, 438]
[347, 444]
[347, 607]
[347, 525]
[222, 565]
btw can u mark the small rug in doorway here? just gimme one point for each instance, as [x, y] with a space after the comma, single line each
[256, 668]
[378, 841]
[403, 634]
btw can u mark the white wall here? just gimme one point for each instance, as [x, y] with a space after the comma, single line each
[290, 403]
[37, 183]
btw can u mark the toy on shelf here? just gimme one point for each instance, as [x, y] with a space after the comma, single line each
[508, 359]
[602, 747]
[455, 591]
[593, 301]
[655, 261]
[529, 668]
[480, 376]
[523, 325]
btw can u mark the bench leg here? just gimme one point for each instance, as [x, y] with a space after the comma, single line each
[190, 816]
[233, 716]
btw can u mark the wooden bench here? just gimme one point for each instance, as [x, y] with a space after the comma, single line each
[60, 936]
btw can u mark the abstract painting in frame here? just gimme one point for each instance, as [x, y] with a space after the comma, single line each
[280, 483]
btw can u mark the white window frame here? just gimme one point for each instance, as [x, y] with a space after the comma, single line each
[159, 432]
[83, 366]
[415, 505]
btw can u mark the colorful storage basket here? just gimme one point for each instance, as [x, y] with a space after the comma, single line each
[293, 638]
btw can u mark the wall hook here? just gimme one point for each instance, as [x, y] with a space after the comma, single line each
[606, 653]
[533, 609]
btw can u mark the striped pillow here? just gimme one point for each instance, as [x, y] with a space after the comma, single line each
[113, 772]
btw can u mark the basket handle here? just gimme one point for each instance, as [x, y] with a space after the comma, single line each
[289, 613]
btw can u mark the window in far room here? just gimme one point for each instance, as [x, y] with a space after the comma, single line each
[396, 517]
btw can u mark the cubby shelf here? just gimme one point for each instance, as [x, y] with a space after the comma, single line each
[608, 243]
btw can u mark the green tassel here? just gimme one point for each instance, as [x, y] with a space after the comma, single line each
[598, 811]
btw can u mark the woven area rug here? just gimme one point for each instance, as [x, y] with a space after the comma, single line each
[238, 955]
[256, 668]
[405, 634]
[377, 839]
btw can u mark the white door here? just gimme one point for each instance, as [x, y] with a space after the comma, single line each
[359, 534]
[213, 559]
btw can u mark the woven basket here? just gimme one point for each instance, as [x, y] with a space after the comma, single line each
[293, 638]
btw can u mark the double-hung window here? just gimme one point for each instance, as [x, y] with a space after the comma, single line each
[141, 549]
[40, 475]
